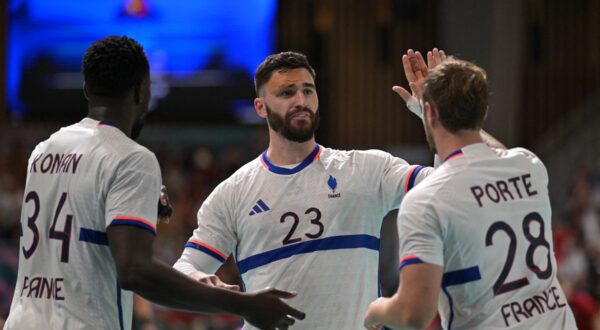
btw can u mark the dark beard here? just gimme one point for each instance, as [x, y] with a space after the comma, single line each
[430, 142]
[284, 126]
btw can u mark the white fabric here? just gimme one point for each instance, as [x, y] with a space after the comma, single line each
[113, 178]
[336, 272]
[447, 219]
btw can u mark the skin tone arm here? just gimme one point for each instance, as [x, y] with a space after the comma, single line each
[414, 305]
[139, 271]
[416, 70]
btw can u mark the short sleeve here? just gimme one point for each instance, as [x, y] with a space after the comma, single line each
[134, 192]
[419, 231]
[395, 176]
[541, 172]
[214, 239]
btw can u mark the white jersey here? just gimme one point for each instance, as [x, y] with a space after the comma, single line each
[313, 229]
[84, 178]
[484, 216]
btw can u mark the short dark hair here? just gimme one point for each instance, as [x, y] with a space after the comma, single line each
[459, 91]
[112, 66]
[279, 62]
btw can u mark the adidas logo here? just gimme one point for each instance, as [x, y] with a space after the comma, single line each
[259, 207]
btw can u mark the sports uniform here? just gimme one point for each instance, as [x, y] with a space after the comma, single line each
[84, 178]
[313, 228]
[484, 215]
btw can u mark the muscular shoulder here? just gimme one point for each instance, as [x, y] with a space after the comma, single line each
[430, 191]
[367, 158]
[240, 180]
[523, 156]
[518, 152]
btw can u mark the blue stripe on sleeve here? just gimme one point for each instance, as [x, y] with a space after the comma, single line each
[124, 222]
[413, 177]
[205, 250]
[410, 261]
[461, 276]
[93, 236]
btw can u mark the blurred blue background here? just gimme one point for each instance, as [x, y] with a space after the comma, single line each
[186, 43]
[542, 58]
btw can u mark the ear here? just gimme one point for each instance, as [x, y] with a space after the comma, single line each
[137, 92]
[260, 107]
[85, 92]
[430, 114]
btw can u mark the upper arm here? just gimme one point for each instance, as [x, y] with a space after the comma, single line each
[397, 177]
[390, 177]
[131, 209]
[131, 247]
[215, 238]
[420, 288]
[133, 193]
[421, 258]
[420, 231]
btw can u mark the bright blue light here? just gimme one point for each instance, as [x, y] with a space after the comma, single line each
[183, 34]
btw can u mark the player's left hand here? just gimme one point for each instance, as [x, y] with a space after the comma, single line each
[165, 209]
[372, 318]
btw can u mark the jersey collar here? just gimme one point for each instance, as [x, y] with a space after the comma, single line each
[286, 171]
[454, 154]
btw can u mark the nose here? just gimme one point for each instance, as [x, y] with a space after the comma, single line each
[299, 99]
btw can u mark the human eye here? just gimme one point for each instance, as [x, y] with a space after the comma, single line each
[286, 93]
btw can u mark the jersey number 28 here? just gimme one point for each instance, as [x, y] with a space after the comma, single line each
[501, 286]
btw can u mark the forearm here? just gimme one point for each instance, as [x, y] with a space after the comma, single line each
[397, 316]
[491, 141]
[186, 267]
[163, 285]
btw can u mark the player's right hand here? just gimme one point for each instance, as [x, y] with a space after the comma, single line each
[165, 209]
[415, 70]
[269, 312]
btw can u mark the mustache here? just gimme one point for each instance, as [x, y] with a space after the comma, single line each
[303, 109]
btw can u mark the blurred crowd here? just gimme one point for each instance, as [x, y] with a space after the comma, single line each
[191, 173]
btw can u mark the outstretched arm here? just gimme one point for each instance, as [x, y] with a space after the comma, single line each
[415, 70]
[415, 303]
[139, 271]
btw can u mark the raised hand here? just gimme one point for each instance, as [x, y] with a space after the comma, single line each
[269, 312]
[415, 70]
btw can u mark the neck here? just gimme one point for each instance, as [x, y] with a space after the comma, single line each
[282, 151]
[114, 114]
[446, 142]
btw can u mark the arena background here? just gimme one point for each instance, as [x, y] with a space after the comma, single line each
[542, 58]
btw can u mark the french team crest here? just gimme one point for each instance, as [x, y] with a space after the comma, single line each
[332, 183]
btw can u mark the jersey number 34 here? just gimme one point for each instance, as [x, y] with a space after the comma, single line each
[64, 236]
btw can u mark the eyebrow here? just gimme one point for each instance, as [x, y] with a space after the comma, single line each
[309, 85]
